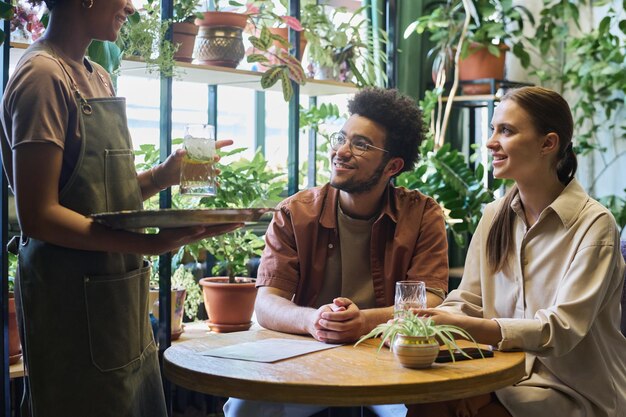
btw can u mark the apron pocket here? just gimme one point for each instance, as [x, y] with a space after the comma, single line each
[120, 181]
[117, 317]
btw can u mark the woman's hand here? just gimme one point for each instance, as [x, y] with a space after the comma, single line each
[168, 173]
[171, 239]
[485, 331]
[440, 316]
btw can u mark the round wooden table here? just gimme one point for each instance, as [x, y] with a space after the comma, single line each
[342, 376]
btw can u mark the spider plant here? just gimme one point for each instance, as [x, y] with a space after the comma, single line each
[417, 326]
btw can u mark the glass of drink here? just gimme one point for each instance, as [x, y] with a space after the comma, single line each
[197, 172]
[409, 294]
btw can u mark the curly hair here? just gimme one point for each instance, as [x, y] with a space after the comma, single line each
[399, 115]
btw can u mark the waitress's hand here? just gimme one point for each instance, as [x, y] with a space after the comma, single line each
[171, 239]
[168, 173]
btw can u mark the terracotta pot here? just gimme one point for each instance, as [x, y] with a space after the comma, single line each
[284, 33]
[222, 19]
[184, 34]
[481, 64]
[178, 304]
[15, 348]
[415, 351]
[229, 306]
[219, 40]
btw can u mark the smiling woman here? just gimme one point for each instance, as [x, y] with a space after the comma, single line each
[544, 274]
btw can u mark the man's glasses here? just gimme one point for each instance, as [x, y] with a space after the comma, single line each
[358, 146]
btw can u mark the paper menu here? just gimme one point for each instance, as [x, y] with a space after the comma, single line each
[268, 350]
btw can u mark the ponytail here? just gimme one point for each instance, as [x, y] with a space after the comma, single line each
[500, 238]
[567, 165]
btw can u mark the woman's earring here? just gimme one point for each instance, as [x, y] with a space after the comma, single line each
[87, 4]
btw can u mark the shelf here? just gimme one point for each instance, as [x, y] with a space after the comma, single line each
[477, 97]
[209, 74]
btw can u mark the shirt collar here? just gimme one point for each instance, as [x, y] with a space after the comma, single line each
[567, 205]
[328, 217]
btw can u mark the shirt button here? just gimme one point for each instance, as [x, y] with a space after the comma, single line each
[330, 246]
[524, 261]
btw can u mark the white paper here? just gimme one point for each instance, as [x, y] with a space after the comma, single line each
[268, 350]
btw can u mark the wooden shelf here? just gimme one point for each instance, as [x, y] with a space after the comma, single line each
[209, 74]
[477, 97]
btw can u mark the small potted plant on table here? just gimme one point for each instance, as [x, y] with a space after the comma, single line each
[415, 340]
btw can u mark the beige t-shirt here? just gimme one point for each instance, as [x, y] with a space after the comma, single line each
[348, 273]
[39, 106]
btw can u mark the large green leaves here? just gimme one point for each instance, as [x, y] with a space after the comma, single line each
[445, 175]
[105, 53]
[243, 183]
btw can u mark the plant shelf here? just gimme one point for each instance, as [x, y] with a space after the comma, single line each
[210, 74]
[214, 75]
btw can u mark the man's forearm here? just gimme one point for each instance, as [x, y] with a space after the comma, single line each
[277, 313]
[376, 316]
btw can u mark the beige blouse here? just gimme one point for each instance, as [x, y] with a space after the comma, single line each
[558, 299]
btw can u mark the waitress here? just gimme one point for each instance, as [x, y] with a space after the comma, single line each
[82, 288]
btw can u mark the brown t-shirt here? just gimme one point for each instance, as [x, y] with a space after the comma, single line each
[39, 106]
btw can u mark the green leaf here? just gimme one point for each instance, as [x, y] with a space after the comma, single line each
[257, 58]
[6, 10]
[134, 18]
[257, 43]
[479, 173]
[265, 38]
[271, 76]
[107, 54]
[286, 83]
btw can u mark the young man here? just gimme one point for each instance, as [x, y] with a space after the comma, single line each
[334, 253]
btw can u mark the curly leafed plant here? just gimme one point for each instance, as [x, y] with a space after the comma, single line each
[418, 326]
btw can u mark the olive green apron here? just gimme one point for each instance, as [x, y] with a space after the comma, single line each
[88, 343]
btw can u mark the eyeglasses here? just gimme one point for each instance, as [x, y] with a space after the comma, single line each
[358, 146]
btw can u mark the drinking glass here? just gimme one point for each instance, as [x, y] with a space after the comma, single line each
[197, 172]
[409, 294]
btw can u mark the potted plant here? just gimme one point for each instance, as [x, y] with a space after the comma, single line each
[459, 29]
[415, 340]
[232, 251]
[184, 30]
[144, 36]
[243, 183]
[481, 31]
[185, 297]
[337, 49]
[220, 42]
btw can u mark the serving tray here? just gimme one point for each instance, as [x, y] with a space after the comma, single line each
[171, 218]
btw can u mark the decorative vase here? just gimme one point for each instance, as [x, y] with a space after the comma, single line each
[219, 40]
[480, 63]
[15, 348]
[229, 306]
[178, 304]
[415, 351]
[184, 34]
